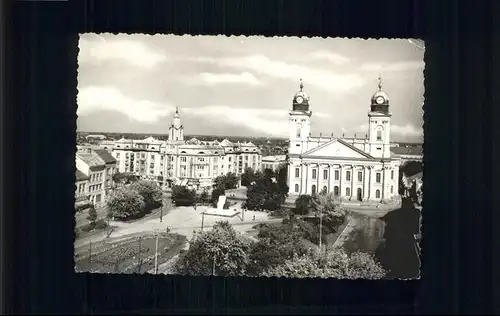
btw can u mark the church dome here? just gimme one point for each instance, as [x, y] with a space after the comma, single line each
[176, 121]
[380, 100]
[301, 99]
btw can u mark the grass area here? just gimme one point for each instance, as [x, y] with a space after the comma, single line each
[135, 255]
[332, 238]
[89, 230]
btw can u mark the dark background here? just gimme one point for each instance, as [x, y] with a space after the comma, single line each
[38, 144]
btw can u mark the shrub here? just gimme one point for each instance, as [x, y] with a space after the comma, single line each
[125, 203]
[88, 227]
[101, 224]
[150, 192]
[182, 196]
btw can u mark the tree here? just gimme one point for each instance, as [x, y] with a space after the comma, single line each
[182, 196]
[124, 178]
[125, 203]
[222, 251]
[150, 192]
[216, 192]
[227, 182]
[92, 216]
[276, 243]
[204, 197]
[249, 176]
[329, 208]
[303, 204]
[335, 263]
[267, 192]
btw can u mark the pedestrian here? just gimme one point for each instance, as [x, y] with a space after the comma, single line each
[195, 207]
[254, 218]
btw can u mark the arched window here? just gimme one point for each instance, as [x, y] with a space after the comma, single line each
[296, 188]
[325, 189]
[298, 132]
[392, 188]
[313, 189]
[377, 194]
[336, 191]
[348, 191]
[379, 135]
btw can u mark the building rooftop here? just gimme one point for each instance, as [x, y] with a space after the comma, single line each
[410, 150]
[105, 155]
[80, 176]
[274, 158]
[92, 159]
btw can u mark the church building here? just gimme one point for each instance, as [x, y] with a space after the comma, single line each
[362, 169]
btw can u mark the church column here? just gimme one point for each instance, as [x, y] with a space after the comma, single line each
[288, 180]
[384, 170]
[318, 176]
[365, 183]
[341, 193]
[370, 168]
[353, 169]
[306, 165]
[330, 177]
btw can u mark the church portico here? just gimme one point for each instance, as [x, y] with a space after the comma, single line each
[364, 171]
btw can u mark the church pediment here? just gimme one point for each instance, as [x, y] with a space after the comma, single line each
[337, 148]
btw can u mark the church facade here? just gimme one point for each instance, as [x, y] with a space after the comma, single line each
[356, 169]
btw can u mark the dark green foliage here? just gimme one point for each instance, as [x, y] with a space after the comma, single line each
[216, 192]
[101, 224]
[182, 196]
[125, 203]
[249, 176]
[226, 182]
[267, 192]
[92, 215]
[303, 204]
[150, 192]
[221, 251]
[124, 178]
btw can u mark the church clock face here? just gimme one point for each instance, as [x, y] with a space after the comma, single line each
[380, 100]
[299, 100]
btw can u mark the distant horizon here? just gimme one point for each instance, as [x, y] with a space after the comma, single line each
[223, 136]
[245, 85]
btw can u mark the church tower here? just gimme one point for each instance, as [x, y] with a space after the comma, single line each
[299, 122]
[176, 130]
[379, 124]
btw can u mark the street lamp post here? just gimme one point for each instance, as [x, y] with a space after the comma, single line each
[156, 251]
[202, 220]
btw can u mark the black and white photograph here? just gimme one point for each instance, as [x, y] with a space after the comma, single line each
[249, 156]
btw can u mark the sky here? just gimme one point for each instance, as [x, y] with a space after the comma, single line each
[244, 86]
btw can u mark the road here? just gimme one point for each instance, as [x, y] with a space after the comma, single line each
[81, 217]
[182, 220]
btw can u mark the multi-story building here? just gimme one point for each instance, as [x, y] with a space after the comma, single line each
[273, 162]
[362, 169]
[99, 166]
[195, 162]
[81, 195]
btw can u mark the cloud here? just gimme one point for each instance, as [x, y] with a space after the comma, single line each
[135, 53]
[400, 66]
[262, 121]
[95, 99]
[218, 78]
[407, 130]
[327, 80]
[337, 59]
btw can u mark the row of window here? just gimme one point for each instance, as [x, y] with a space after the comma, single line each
[337, 175]
[96, 187]
[183, 158]
[336, 190]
